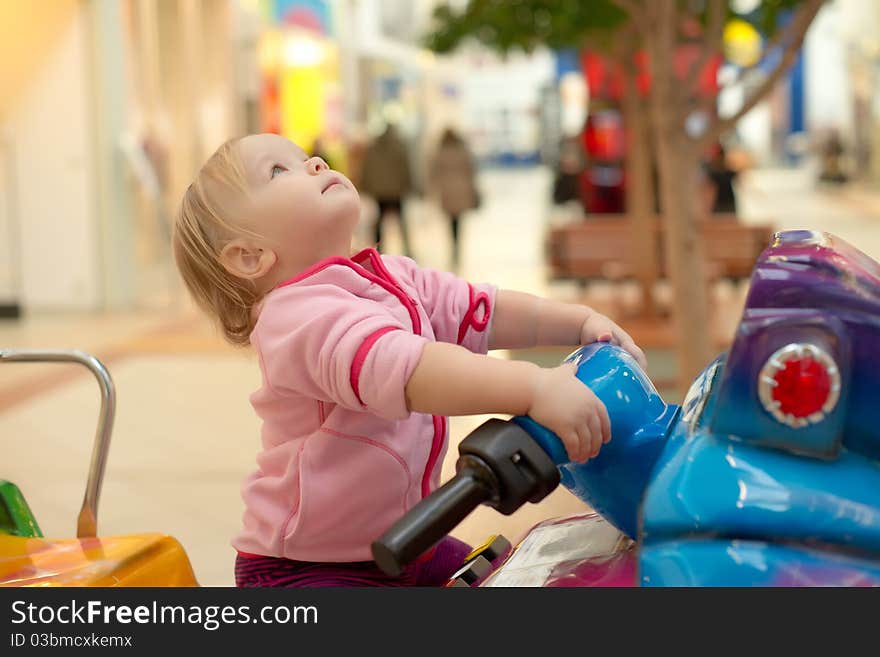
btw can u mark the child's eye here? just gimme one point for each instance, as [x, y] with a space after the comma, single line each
[277, 169]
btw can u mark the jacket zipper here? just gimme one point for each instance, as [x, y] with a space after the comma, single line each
[384, 278]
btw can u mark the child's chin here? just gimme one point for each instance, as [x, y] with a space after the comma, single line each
[350, 216]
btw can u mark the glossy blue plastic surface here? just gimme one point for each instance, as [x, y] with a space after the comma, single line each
[747, 563]
[613, 483]
[740, 412]
[815, 288]
[715, 486]
[798, 516]
[721, 493]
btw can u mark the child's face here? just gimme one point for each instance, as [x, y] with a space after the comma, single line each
[304, 210]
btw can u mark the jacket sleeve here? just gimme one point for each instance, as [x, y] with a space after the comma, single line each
[460, 312]
[330, 345]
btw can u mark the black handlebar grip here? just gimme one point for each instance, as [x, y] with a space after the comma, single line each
[434, 517]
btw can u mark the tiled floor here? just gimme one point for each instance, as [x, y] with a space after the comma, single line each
[185, 434]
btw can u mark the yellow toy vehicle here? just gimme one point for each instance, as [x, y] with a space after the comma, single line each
[27, 558]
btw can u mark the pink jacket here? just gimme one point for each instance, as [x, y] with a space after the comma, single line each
[342, 457]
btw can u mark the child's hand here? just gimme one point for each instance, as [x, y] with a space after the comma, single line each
[598, 328]
[571, 410]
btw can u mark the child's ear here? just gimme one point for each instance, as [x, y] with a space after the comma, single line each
[244, 259]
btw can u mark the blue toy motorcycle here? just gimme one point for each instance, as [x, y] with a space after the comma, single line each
[766, 475]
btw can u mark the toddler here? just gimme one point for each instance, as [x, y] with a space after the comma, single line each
[363, 357]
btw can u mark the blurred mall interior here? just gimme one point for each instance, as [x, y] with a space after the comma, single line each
[108, 108]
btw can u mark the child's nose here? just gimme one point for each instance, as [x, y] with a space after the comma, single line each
[316, 165]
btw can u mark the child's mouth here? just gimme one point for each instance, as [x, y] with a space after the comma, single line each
[332, 183]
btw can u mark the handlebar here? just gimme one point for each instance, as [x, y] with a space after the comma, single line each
[87, 521]
[432, 518]
[506, 463]
[500, 465]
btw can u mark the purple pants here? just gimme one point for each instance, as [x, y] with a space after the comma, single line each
[257, 571]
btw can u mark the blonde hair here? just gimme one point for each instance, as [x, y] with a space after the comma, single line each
[201, 227]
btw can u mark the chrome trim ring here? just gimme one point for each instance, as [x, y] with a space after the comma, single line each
[776, 362]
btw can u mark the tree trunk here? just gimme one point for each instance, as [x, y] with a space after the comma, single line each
[640, 192]
[679, 170]
[680, 197]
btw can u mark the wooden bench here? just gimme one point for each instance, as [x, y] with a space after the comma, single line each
[601, 248]
[731, 248]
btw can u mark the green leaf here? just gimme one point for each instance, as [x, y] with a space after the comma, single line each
[505, 25]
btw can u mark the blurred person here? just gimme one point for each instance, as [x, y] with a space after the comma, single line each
[569, 172]
[362, 357]
[452, 176]
[720, 177]
[604, 146]
[832, 154]
[386, 176]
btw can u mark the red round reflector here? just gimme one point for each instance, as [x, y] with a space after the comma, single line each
[799, 384]
[802, 387]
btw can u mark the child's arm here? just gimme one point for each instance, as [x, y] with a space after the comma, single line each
[450, 380]
[525, 320]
